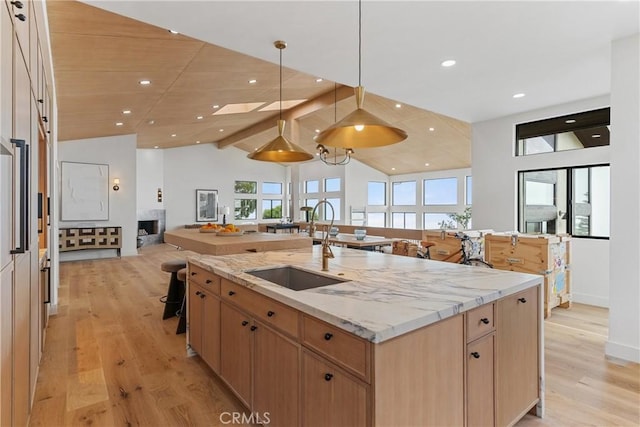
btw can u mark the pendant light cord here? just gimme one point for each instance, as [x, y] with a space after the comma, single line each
[280, 84]
[359, 42]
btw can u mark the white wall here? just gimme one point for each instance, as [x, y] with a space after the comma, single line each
[495, 189]
[204, 166]
[624, 314]
[119, 152]
[150, 177]
[357, 175]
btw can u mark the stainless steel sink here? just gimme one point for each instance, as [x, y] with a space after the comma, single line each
[294, 278]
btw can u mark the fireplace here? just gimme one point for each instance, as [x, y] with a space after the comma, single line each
[151, 226]
[148, 227]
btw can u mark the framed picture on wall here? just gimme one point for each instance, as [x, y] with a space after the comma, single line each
[206, 205]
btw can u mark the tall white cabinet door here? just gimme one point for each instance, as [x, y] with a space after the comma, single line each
[6, 344]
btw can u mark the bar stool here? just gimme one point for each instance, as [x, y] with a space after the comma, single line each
[175, 294]
[182, 314]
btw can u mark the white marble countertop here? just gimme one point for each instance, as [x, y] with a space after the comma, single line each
[385, 295]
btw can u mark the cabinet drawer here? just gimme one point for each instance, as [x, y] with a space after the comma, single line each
[344, 348]
[479, 321]
[261, 307]
[204, 278]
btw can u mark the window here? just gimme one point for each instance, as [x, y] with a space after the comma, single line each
[376, 219]
[404, 193]
[336, 209]
[441, 191]
[468, 190]
[377, 193]
[245, 209]
[403, 220]
[573, 131]
[438, 221]
[271, 188]
[332, 184]
[311, 186]
[246, 187]
[567, 200]
[271, 209]
[312, 204]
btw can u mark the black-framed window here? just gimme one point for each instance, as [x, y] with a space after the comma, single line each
[573, 200]
[440, 191]
[404, 220]
[246, 187]
[271, 188]
[570, 132]
[271, 208]
[245, 209]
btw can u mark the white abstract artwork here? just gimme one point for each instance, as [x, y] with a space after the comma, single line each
[84, 192]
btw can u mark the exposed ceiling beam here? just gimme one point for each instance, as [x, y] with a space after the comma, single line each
[325, 100]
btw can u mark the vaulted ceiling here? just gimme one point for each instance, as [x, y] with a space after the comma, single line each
[553, 51]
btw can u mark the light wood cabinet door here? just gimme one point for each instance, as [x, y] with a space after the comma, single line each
[195, 318]
[517, 319]
[235, 351]
[330, 397]
[211, 331]
[480, 382]
[276, 378]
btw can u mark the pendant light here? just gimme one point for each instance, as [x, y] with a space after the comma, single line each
[323, 152]
[360, 129]
[280, 150]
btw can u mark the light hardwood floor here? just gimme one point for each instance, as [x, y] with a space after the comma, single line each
[110, 359]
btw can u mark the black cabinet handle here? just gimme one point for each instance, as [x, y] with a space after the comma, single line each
[23, 237]
[198, 292]
[231, 293]
[327, 377]
[254, 327]
[21, 17]
[193, 273]
[270, 313]
[245, 323]
[45, 119]
[17, 4]
[202, 295]
[41, 101]
[476, 354]
[328, 336]
[485, 320]
[208, 281]
[522, 300]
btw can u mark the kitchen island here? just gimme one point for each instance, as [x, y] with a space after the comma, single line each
[401, 341]
[212, 244]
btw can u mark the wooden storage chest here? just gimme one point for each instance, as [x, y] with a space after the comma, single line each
[447, 246]
[545, 254]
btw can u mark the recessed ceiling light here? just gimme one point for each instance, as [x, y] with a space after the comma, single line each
[119, 124]
[518, 95]
[398, 105]
[200, 117]
[393, 169]
[173, 32]
[173, 135]
[253, 81]
[155, 146]
[318, 80]
[570, 121]
[431, 129]
[126, 111]
[317, 130]
[197, 142]
[145, 82]
[426, 164]
[151, 122]
[220, 130]
[595, 135]
[448, 63]
[216, 106]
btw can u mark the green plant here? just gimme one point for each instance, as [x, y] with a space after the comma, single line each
[462, 219]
